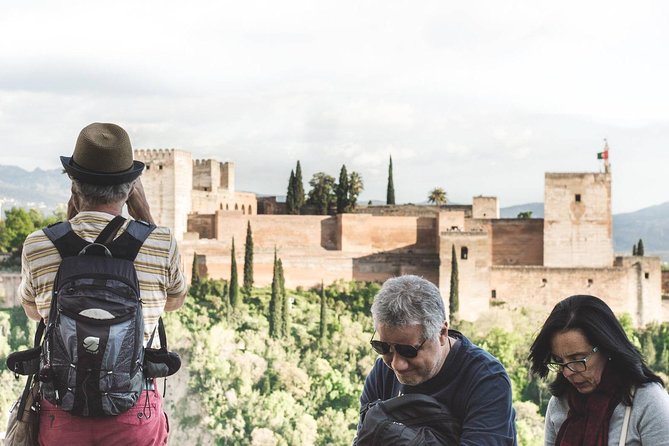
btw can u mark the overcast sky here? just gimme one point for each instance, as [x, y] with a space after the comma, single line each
[480, 98]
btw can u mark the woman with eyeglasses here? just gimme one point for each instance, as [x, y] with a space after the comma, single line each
[603, 392]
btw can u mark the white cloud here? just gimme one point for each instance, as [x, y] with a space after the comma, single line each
[474, 97]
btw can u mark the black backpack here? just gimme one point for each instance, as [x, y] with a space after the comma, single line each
[92, 356]
[411, 419]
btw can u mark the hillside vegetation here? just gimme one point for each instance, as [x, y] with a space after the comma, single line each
[239, 386]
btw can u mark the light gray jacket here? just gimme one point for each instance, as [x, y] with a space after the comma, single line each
[649, 421]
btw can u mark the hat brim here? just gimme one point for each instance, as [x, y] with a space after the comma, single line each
[101, 178]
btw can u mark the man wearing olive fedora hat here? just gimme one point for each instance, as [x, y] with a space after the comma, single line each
[105, 178]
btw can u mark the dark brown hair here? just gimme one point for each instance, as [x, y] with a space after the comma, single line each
[602, 329]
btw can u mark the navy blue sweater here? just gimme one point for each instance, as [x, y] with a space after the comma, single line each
[472, 383]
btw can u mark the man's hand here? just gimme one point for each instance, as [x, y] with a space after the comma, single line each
[138, 207]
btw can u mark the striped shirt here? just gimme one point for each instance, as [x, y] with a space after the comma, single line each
[158, 266]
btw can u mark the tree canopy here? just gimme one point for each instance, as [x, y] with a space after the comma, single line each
[437, 196]
[321, 194]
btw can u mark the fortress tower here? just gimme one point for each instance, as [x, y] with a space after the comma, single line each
[185, 194]
[577, 220]
[168, 182]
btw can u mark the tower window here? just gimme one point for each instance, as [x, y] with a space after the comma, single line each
[160, 167]
[577, 197]
[493, 294]
[544, 281]
[589, 282]
[464, 252]
[646, 275]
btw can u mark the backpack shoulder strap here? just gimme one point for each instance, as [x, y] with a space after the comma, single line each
[127, 245]
[109, 231]
[66, 241]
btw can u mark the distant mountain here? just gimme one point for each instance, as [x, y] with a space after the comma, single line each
[650, 224]
[537, 210]
[41, 189]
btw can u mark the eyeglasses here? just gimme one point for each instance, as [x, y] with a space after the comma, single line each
[404, 350]
[580, 365]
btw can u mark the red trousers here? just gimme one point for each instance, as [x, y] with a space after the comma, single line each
[144, 425]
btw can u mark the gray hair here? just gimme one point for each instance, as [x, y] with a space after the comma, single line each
[410, 300]
[95, 194]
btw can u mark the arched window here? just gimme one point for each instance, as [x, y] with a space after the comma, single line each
[236, 207]
[243, 210]
[227, 208]
[250, 210]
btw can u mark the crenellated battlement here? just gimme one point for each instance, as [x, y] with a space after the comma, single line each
[205, 162]
[153, 155]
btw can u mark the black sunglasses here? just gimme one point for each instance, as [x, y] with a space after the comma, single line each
[404, 350]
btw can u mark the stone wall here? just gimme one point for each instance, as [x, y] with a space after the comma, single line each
[207, 202]
[312, 248]
[485, 207]
[625, 288]
[9, 284]
[473, 253]
[577, 220]
[517, 242]
[364, 232]
[204, 225]
[206, 175]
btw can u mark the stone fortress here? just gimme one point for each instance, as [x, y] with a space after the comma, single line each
[519, 262]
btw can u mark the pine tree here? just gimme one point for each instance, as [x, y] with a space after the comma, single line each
[453, 299]
[234, 283]
[290, 195]
[248, 260]
[274, 308]
[342, 191]
[323, 319]
[299, 188]
[195, 273]
[639, 248]
[285, 310]
[390, 195]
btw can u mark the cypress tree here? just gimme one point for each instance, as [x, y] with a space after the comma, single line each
[299, 188]
[453, 299]
[323, 319]
[390, 194]
[274, 312]
[248, 260]
[285, 310]
[342, 191]
[639, 248]
[634, 249]
[234, 282]
[290, 195]
[195, 273]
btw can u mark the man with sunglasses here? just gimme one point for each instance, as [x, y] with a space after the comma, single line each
[419, 354]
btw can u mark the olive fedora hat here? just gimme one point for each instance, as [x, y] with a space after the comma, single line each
[102, 156]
